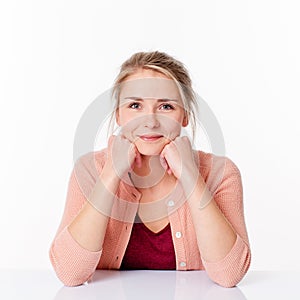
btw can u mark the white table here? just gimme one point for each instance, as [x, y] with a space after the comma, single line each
[143, 285]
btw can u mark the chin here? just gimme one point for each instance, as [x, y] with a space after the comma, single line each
[149, 149]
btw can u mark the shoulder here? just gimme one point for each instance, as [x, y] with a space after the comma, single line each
[210, 162]
[93, 157]
[87, 169]
[218, 171]
[91, 163]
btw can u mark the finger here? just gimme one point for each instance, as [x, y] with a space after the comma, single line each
[138, 158]
[111, 139]
[123, 136]
[162, 154]
[164, 163]
[167, 166]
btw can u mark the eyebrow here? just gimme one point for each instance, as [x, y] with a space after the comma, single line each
[158, 100]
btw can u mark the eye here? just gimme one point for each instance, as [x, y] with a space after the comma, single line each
[168, 107]
[134, 105]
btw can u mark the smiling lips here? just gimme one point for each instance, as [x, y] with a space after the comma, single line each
[150, 138]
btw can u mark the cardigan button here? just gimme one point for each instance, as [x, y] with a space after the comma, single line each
[171, 203]
[178, 234]
[182, 264]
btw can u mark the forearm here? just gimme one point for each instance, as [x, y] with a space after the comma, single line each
[89, 226]
[215, 235]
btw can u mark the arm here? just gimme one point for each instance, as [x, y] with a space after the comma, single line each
[220, 228]
[89, 227]
[216, 205]
[77, 246]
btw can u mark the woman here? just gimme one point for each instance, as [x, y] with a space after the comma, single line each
[149, 201]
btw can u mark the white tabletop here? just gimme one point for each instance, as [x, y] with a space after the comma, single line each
[118, 285]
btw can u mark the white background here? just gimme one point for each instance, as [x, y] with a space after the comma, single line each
[58, 56]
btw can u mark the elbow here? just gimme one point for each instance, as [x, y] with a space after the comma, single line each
[230, 270]
[235, 273]
[73, 264]
[68, 276]
[71, 281]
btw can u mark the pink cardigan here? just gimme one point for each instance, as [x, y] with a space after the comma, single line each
[74, 264]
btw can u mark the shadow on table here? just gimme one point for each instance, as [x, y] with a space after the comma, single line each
[176, 285]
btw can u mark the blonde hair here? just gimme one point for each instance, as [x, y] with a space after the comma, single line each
[167, 65]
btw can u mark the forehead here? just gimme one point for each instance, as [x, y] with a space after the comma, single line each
[149, 84]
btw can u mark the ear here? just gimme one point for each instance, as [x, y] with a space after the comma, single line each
[185, 120]
[117, 117]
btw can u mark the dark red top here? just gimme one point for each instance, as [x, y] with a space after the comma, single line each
[149, 250]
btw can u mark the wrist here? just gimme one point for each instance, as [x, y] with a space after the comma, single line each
[190, 179]
[109, 178]
[189, 175]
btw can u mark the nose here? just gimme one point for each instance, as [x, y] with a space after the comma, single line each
[151, 121]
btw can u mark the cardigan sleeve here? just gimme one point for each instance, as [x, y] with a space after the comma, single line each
[72, 263]
[229, 198]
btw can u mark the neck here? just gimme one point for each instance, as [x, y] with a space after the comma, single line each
[148, 163]
[150, 174]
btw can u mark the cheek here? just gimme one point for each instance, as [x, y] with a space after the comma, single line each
[172, 128]
[169, 126]
[124, 117]
[151, 148]
[129, 127]
[127, 116]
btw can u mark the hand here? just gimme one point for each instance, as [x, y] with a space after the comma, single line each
[122, 155]
[178, 158]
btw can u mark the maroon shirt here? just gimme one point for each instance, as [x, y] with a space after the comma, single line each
[149, 250]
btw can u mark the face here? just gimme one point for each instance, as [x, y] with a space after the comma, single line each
[151, 112]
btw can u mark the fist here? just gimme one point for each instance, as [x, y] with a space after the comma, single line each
[122, 155]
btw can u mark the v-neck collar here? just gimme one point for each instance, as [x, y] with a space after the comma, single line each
[139, 221]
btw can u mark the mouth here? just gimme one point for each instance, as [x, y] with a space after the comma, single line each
[150, 138]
